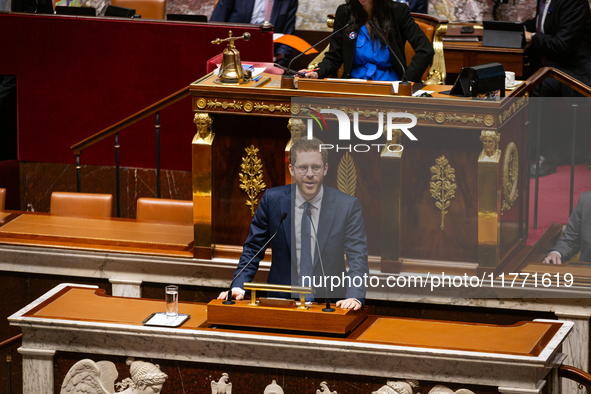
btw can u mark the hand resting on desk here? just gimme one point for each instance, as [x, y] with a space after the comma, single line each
[553, 258]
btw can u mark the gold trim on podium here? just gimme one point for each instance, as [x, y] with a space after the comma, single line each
[390, 203]
[202, 186]
[488, 200]
[253, 287]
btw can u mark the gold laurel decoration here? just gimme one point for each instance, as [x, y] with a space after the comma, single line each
[510, 177]
[251, 177]
[261, 107]
[215, 104]
[443, 186]
[347, 175]
[201, 103]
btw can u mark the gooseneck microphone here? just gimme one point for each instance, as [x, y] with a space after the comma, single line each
[318, 43]
[383, 38]
[229, 300]
[328, 307]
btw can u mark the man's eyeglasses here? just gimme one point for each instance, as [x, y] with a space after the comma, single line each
[316, 170]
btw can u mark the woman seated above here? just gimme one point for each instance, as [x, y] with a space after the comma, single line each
[364, 54]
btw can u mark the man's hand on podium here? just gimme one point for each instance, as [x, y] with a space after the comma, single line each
[349, 303]
[235, 294]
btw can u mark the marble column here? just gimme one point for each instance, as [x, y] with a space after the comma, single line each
[126, 288]
[37, 371]
[575, 346]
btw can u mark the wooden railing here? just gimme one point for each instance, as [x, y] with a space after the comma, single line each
[116, 128]
[534, 81]
[578, 375]
[4, 344]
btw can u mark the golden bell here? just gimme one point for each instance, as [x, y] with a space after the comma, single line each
[231, 71]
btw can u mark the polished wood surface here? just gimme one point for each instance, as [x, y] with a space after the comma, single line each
[122, 235]
[313, 319]
[524, 338]
[576, 374]
[465, 54]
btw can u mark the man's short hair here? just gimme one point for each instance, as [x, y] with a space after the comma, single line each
[306, 145]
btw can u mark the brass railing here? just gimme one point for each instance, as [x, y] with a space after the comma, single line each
[3, 345]
[116, 128]
[534, 81]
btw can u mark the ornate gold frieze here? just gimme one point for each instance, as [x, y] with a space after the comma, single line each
[251, 177]
[347, 175]
[366, 113]
[216, 104]
[510, 177]
[443, 186]
[281, 108]
[515, 106]
[201, 103]
[449, 118]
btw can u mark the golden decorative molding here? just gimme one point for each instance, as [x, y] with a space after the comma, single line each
[251, 177]
[261, 107]
[515, 106]
[347, 175]
[215, 104]
[489, 120]
[449, 118]
[201, 103]
[248, 107]
[443, 186]
[510, 177]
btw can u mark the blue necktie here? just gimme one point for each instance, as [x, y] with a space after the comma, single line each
[306, 250]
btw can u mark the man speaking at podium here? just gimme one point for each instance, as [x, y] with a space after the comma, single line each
[310, 208]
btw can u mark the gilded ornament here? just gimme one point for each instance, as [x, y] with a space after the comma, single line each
[295, 109]
[510, 177]
[260, 107]
[489, 120]
[440, 117]
[490, 146]
[201, 103]
[296, 128]
[203, 122]
[248, 106]
[215, 104]
[443, 186]
[251, 177]
[347, 175]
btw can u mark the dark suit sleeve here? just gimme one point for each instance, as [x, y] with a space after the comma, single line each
[569, 30]
[222, 11]
[419, 42]
[570, 243]
[334, 57]
[259, 234]
[356, 251]
[287, 27]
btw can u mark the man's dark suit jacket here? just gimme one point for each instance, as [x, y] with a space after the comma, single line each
[566, 41]
[283, 16]
[404, 28]
[340, 233]
[577, 234]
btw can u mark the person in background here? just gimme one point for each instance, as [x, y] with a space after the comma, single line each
[362, 52]
[280, 13]
[561, 38]
[576, 236]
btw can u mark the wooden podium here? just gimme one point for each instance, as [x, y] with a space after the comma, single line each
[452, 201]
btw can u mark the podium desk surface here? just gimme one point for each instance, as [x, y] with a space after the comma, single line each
[521, 339]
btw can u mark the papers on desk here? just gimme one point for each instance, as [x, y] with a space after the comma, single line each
[160, 319]
[421, 91]
[255, 70]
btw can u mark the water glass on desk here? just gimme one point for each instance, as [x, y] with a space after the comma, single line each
[172, 301]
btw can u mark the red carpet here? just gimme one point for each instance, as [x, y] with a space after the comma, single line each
[553, 200]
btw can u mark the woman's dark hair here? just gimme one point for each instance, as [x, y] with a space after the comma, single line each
[380, 16]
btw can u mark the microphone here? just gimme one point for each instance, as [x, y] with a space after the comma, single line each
[229, 299]
[318, 43]
[373, 26]
[328, 307]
